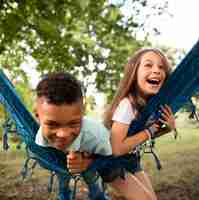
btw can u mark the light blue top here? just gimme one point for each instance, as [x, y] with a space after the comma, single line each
[94, 137]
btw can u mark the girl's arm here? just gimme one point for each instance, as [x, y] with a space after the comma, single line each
[121, 144]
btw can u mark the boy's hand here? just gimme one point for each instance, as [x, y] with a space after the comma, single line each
[78, 162]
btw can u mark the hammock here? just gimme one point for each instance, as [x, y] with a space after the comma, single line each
[181, 85]
[48, 157]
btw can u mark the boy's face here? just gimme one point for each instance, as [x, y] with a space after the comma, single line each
[60, 124]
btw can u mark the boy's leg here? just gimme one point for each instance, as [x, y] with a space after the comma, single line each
[132, 188]
[143, 177]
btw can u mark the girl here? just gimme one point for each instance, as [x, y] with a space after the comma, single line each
[144, 75]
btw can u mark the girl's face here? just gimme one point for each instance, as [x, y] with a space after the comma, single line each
[150, 75]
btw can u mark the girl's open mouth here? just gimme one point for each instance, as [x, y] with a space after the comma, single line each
[154, 82]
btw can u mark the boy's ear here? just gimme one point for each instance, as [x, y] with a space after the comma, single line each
[36, 114]
[84, 107]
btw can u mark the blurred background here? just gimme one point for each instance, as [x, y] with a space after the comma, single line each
[93, 39]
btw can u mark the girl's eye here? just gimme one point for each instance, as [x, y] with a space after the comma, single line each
[148, 65]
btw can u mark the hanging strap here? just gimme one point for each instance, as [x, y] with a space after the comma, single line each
[149, 147]
[76, 178]
[26, 169]
[5, 139]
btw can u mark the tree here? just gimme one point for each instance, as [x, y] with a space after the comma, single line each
[90, 38]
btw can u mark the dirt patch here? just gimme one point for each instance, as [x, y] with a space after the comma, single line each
[12, 187]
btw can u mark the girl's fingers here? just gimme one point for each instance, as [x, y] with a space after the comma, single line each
[157, 126]
[166, 111]
[168, 108]
[163, 121]
[164, 116]
[168, 121]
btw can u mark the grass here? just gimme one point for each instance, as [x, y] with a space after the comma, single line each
[177, 180]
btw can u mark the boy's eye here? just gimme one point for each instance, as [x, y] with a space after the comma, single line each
[52, 126]
[74, 125]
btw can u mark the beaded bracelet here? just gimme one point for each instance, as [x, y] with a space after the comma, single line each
[152, 131]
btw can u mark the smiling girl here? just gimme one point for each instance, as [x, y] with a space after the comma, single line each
[143, 77]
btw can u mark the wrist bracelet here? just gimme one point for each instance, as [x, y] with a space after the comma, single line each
[152, 131]
[148, 134]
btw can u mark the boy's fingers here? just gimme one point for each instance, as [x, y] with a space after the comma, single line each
[86, 155]
[75, 171]
[71, 155]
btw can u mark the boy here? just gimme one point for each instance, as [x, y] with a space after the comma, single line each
[60, 109]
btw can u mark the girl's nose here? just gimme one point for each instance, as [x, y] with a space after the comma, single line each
[156, 69]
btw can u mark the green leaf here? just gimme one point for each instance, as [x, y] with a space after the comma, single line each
[83, 4]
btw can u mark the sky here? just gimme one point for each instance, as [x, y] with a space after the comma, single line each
[181, 30]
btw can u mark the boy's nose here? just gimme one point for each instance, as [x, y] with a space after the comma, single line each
[63, 132]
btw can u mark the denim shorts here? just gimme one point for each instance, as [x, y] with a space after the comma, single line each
[132, 165]
[133, 160]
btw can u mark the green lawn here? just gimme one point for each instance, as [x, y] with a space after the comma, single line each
[179, 177]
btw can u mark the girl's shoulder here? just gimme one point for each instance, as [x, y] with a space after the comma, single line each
[125, 104]
[124, 112]
[125, 101]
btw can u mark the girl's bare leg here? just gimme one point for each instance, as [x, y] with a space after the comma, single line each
[132, 188]
[143, 177]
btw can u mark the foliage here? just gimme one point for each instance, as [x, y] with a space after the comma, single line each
[89, 38]
[26, 95]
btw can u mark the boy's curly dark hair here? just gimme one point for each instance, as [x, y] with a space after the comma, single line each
[60, 88]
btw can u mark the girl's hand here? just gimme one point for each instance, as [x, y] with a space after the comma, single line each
[78, 162]
[167, 117]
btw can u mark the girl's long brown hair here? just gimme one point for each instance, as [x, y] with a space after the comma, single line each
[128, 84]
